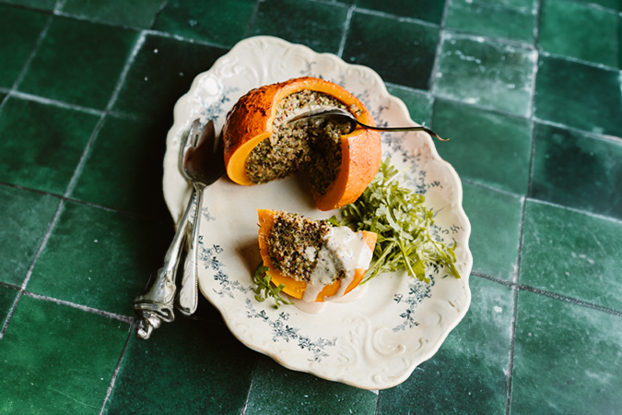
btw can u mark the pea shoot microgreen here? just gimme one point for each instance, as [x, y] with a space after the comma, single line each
[265, 289]
[399, 217]
[403, 224]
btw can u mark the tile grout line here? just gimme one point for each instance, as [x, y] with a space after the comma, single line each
[55, 103]
[115, 93]
[515, 289]
[437, 54]
[157, 13]
[21, 291]
[489, 187]
[346, 31]
[609, 138]
[439, 46]
[31, 56]
[92, 20]
[117, 368]
[534, 75]
[250, 388]
[570, 300]
[103, 313]
[9, 285]
[501, 40]
[581, 61]
[183, 39]
[59, 5]
[48, 231]
[83, 202]
[550, 294]
[521, 232]
[77, 171]
[251, 21]
[594, 6]
[584, 212]
[532, 156]
[399, 18]
[430, 92]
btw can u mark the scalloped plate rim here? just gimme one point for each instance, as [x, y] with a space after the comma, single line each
[181, 121]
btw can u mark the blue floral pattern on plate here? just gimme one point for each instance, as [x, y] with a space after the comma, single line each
[376, 341]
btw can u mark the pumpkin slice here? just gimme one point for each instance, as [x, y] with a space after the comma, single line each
[313, 259]
[260, 146]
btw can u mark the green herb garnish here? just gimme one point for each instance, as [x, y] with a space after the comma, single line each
[402, 222]
[265, 289]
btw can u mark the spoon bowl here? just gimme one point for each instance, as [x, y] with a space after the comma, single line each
[345, 117]
[203, 164]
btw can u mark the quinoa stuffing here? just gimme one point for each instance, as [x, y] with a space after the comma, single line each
[294, 243]
[308, 145]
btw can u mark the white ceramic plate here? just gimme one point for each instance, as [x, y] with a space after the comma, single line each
[397, 322]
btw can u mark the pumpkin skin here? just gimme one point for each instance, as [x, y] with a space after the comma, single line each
[295, 288]
[250, 122]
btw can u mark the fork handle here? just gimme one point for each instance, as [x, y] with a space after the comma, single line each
[188, 296]
[155, 305]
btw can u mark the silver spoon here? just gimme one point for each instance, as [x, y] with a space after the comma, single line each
[155, 305]
[203, 164]
[343, 116]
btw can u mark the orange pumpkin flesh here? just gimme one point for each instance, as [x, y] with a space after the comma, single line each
[250, 122]
[293, 287]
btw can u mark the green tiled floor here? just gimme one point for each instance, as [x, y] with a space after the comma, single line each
[528, 91]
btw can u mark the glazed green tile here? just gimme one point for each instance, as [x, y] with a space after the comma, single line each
[36, 4]
[566, 358]
[56, 359]
[79, 62]
[582, 96]
[161, 73]
[136, 13]
[196, 19]
[317, 25]
[576, 170]
[419, 103]
[484, 147]
[467, 375]
[495, 224]
[20, 30]
[123, 168]
[26, 217]
[579, 31]
[609, 4]
[428, 10]
[98, 258]
[277, 390]
[401, 52]
[7, 298]
[186, 367]
[486, 73]
[60, 135]
[509, 19]
[573, 254]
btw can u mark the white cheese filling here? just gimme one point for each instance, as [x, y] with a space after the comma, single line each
[345, 251]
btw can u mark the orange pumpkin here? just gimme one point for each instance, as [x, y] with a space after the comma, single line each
[293, 287]
[250, 121]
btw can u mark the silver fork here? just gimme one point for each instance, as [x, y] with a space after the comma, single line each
[343, 116]
[155, 305]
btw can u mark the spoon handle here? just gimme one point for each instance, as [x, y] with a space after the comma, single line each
[155, 305]
[396, 129]
[188, 297]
